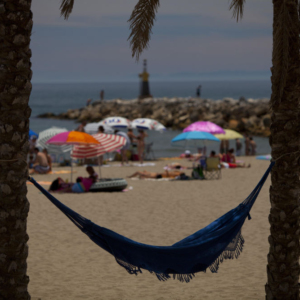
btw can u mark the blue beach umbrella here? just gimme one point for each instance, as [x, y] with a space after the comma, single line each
[194, 138]
[32, 133]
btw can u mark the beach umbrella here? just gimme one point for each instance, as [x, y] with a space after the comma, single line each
[92, 128]
[32, 133]
[116, 122]
[46, 135]
[108, 143]
[204, 126]
[195, 138]
[229, 135]
[72, 138]
[148, 124]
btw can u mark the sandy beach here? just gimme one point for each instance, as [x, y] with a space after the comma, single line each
[65, 264]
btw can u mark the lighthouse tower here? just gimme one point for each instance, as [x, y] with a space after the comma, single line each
[144, 89]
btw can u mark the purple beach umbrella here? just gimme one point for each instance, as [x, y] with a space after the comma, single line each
[204, 126]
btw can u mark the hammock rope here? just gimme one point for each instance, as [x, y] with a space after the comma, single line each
[205, 249]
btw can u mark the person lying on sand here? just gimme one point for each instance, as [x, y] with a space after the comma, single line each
[165, 174]
[176, 165]
[40, 165]
[82, 184]
[234, 165]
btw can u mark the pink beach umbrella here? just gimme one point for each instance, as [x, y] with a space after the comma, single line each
[205, 126]
[73, 138]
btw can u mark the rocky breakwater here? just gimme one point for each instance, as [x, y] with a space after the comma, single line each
[244, 115]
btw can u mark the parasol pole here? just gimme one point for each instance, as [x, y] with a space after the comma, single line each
[71, 164]
[99, 167]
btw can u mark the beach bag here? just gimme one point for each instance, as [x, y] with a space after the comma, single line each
[197, 173]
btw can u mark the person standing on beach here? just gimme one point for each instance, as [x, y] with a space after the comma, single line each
[102, 95]
[224, 146]
[247, 145]
[141, 144]
[238, 146]
[198, 91]
[101, 130]
[80, 128]
[132, 137]
[252, 146]
[125, 147]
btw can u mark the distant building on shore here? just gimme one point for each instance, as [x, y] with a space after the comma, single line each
[144, 86]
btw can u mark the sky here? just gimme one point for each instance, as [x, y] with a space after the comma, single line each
[191, 40]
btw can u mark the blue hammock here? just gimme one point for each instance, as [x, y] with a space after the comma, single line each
[206, 248]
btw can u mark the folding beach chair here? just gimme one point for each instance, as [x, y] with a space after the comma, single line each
[213, 168]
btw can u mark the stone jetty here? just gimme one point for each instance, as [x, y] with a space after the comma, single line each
[243, 115]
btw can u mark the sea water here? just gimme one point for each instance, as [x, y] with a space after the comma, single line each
[59, 97]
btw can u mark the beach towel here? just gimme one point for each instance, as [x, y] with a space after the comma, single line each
[62, 172]
[202, 250]
[41, 182]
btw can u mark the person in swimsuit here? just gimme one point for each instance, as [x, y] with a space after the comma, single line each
[40, 165]
[247, 145]
[141, 144]
[101, 130]
[48, 159]
[81, 185]
[154, 175]
[132, 137]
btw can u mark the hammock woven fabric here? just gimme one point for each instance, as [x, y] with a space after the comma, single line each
[204, 249]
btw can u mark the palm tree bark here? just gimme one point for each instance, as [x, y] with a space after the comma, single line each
[15, 87]
[283, 258]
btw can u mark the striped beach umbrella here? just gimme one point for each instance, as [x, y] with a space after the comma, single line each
[46, 135]
[107, 143]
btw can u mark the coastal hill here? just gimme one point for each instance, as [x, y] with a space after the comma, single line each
[244, 115]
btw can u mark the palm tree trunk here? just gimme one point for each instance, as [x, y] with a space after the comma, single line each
[15, 87]
[283, 258]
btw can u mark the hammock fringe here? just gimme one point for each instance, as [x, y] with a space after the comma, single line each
[228, 254]
[214, 267]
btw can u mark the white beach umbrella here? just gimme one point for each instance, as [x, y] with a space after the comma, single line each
[46, 135]
[116, 122]
[92, 128]
[147, 124]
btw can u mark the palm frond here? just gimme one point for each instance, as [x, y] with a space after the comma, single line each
[141, 23]
[238, 9]
[66, 8]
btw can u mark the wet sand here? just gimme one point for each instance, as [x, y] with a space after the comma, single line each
[65, 264]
